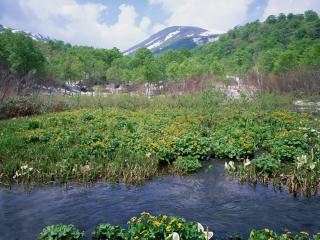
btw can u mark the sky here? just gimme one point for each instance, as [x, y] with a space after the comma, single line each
[124, 23]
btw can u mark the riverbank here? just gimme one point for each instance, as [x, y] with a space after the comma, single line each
[264, 140]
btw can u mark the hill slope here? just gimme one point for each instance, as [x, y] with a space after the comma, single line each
[174, 38]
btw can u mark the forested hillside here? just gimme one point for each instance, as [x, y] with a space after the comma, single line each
[279, 45]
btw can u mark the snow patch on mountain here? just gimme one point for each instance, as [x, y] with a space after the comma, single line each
[175, 38]
[170, 35]
[154, 45]
[34, 36]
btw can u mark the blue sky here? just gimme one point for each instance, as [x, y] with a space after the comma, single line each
[123, 23]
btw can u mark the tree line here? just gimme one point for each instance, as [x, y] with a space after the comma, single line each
[278, 45]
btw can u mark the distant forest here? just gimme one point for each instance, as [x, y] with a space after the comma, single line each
[279, 45]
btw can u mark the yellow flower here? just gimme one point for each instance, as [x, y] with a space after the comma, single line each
[266, 230]
[145, 213]
[164, 218]
[270, 238]
[168, 228]
[133, 219]
[157, 224]
[179, 225]
[305, 233]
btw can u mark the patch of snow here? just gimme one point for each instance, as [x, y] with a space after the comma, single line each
[190, 35]
[170, 35]
[206, 34]
[213, 39]
[154, 45]
[197, 40]
[152, 41]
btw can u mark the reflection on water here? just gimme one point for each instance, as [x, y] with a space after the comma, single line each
[208, 197]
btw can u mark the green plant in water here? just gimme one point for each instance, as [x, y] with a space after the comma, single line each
[109, 232]
[61, 232]
[266, 164]
[187, 164]
[267, 234]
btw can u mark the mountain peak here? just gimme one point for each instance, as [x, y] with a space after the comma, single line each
[34, 36]
[175, 37]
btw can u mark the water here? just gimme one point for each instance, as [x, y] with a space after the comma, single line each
[208, 197]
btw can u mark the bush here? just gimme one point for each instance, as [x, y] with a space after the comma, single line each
[267, 234]
[188, 164]
[108, 232]
[161, 227]
[61, 232]
[19, 107]
[30, 105]
[266, 164]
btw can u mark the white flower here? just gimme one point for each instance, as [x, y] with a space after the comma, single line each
[200, 227]
[301, 161]
[24, 167]
[173, 236]
[148, 154]
[229, 166]
[207, 234]
[16, 175]
[30, 169]
[312, 166]
[226, 166]
[246, 163]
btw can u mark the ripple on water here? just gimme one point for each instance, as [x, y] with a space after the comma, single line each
[208, 197]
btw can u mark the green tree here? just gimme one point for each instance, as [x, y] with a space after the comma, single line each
[21, 53]
[286, 62]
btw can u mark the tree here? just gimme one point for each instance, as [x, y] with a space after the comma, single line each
[311, 16]
[172, 71]
[286, 62]
[21, 53]
[150, 71]
[142, 56]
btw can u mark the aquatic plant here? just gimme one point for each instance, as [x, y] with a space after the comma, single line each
[267, 234]
[159, 227]
[133, 146]
[187, 164]
[61, 232]
[108, 232]
[144, 227]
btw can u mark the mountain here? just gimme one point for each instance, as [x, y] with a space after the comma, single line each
[175, 37]
[34, 36]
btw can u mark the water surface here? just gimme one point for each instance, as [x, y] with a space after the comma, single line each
[209, 197]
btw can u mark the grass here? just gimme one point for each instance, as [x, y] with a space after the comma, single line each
[132, 139]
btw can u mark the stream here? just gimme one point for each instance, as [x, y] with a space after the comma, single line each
[208, 197]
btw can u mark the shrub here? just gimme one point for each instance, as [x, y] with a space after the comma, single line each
[267, 234]
[109, 232]
[266, 164]
[19, 106]
[288, 144]
[161, 227]
[188, 164]
[61, 232]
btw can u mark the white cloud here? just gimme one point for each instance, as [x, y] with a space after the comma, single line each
[214, 15]
[81, 23]
[275, 7]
